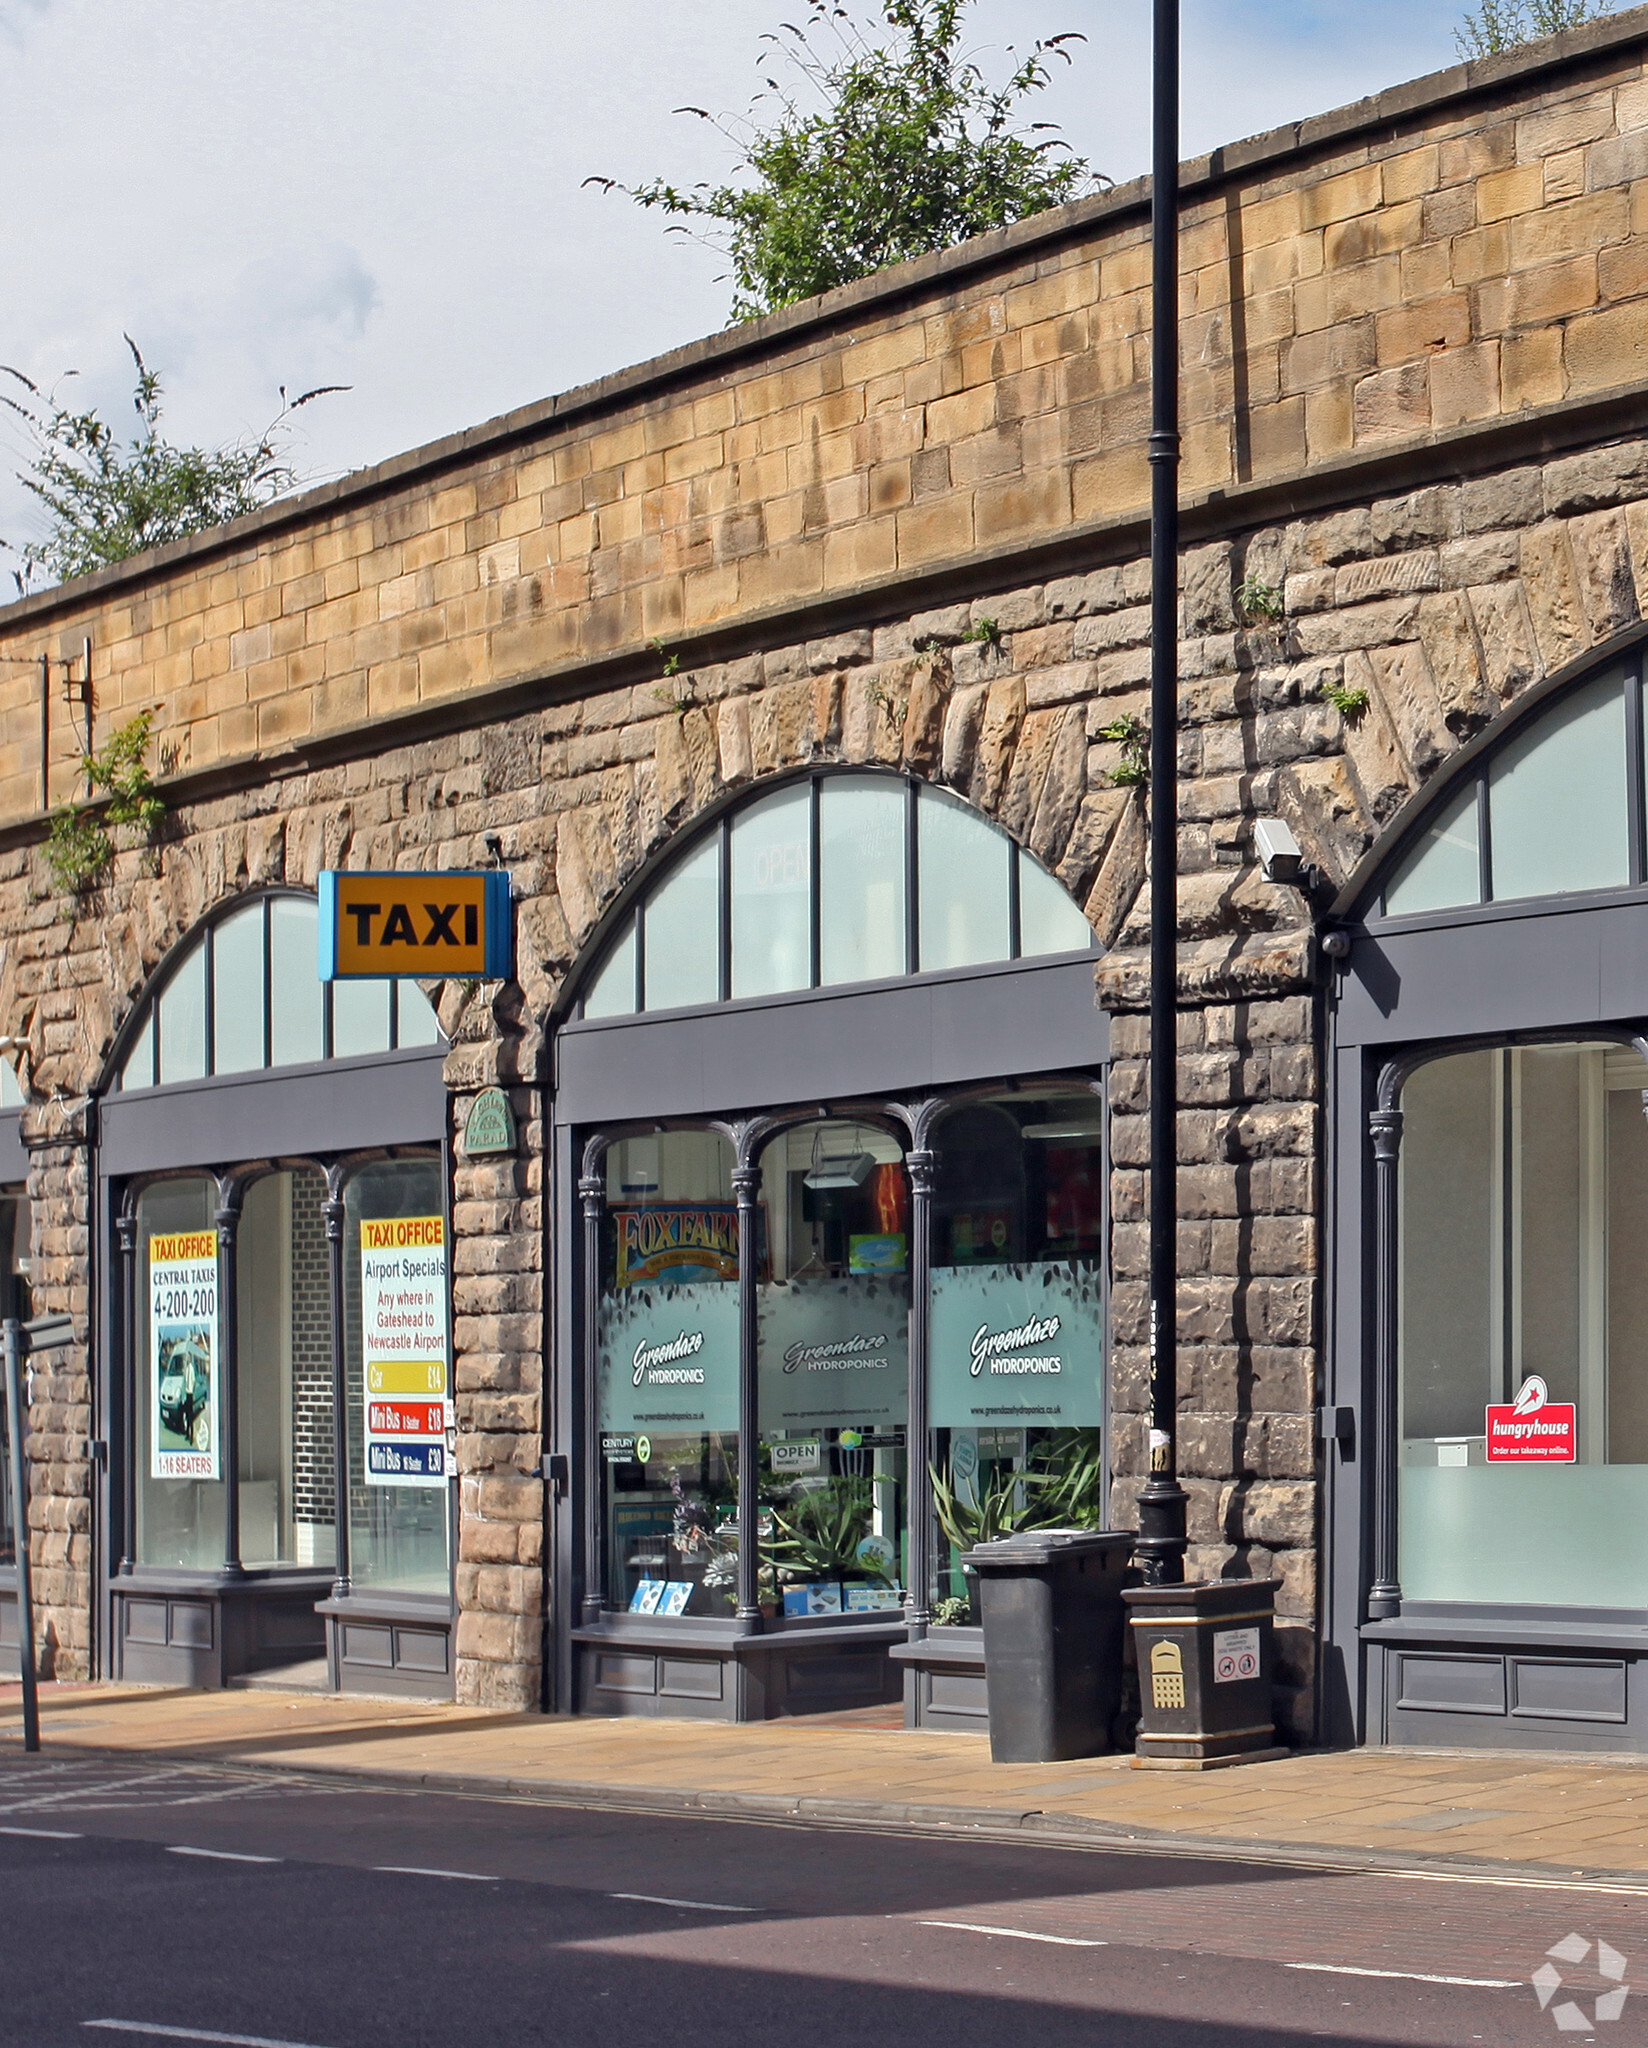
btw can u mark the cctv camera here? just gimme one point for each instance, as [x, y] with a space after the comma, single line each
[1278, 850]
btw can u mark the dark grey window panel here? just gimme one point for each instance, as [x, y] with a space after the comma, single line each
[831, 1044]
[399, 1099]
[14, 1157]
[1567, 1689]
[1451, 1685]
[1508, 973]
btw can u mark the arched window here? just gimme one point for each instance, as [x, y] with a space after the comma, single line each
[845, 877]
[11, 1089]
[245, 993]
[1553, 807]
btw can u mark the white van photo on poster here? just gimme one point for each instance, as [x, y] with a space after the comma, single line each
[184, 1355]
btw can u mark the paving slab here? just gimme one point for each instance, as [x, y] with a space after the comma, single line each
[1481, 1812]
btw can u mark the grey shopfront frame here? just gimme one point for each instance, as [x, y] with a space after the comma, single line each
[14, 1173]
[187, 1627]
[912, 1046]
[1521, 973]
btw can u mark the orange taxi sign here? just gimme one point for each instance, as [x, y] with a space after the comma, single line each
[377, 926]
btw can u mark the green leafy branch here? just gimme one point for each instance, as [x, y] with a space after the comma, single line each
[106, 498]
[1258, 601]
[79, 846]
[1501, 25]
[1133, 737]
[1349, 701]
[904, 147]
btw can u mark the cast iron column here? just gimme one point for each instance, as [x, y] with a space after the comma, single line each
[1385, 1128]
[592, 1195]
[746, 1186]
[128, 1476]
[922, 1165]
[331, 1212]
[1162, 1542]
[228, 1423]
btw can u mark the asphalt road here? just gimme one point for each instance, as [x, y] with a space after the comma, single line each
[153, 1903]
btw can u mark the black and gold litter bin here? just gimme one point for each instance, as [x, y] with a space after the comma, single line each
[1204, 1657]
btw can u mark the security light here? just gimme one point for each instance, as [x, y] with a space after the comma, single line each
[1278, 850]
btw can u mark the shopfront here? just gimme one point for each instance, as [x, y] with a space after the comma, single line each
[271, 1198]
[829, 1150]
[1489, 1461]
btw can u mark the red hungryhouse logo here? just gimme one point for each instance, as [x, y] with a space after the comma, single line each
[1532, 1429]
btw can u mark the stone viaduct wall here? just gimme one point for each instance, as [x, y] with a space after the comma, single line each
[1422, 421]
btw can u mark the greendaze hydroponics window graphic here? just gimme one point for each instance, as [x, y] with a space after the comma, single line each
[184, 1355]
[403, 1349]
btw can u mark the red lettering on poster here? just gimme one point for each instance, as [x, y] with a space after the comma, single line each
[1533, 1429]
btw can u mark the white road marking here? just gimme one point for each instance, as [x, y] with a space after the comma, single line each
[418, 1870]
[192, 2034]
[688, 1905]
[44, 1834]
[1409, 1976]
[1018, 1933]
[220, 1855]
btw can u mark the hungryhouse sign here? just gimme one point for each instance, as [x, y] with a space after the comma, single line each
[374, 926]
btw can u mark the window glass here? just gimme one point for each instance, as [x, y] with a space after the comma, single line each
[667, 1376]
[1557, 802]
[861, 883]
[397, 1521]
[297, 995]
[964, 881]
[683, 932]
[1049, 920]
[1016, 1387]
[11, 1089]
[237, 992]
[181, 1519]
[833, 1349]
[139, 1070]
[183, 1020]
[415, 1019]
[1523, 1321]
[612, 992]
[1445, 866]
[284, 1373]
[360, 1018]
[772, 895]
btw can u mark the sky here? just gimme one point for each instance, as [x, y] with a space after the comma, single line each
[388, 194]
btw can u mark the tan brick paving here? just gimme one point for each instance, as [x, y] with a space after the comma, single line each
[1581, 1813]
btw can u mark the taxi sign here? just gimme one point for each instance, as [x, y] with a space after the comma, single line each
[377, 926]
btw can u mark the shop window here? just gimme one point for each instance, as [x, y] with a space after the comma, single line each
[667, 1375]
[398, 1494]
[1523, 1322]
[832, 1331]
[178, 1378]
[284, 1373]
[245, 994]
[840, 879]
[1548, 814]
[1016, 1344]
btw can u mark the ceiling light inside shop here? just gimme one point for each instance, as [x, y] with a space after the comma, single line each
[847, 1169]
[1051, 1132]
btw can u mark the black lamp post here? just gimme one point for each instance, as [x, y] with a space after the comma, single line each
[1162, 1538]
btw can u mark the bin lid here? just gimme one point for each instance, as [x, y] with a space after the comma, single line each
[1041, 1546]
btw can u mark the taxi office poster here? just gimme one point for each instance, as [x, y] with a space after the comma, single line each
[403, 1349]
[183, 1355]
